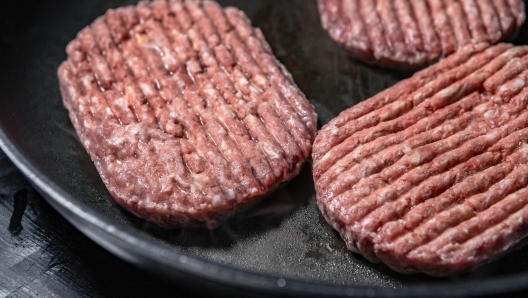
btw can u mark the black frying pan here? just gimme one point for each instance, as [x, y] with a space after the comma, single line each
[280, 247]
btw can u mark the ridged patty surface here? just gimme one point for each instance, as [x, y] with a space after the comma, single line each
[431, 174]
[410, 34]
[184, 110]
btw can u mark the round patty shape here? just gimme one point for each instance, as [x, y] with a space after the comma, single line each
[409, 34]
[431, 175]
[184, 110]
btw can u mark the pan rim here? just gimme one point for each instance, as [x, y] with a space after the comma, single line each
[172, 258]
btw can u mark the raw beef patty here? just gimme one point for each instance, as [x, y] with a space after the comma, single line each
[431, 174]
[408, 34]
[184, 110]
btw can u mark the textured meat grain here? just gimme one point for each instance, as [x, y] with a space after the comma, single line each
[412, 34]
[185, 112]
[406, 178]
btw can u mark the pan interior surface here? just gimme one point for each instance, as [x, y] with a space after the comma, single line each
[283, 236]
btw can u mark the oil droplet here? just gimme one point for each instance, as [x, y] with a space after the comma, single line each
[281, 282]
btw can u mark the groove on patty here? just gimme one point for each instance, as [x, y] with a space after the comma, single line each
[455, 83]
[410, 34]
[393, 188]
[191, 95]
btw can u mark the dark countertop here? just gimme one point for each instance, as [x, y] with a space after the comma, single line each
[43, 255]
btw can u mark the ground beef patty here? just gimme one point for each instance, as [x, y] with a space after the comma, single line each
[431, 175]
[409, 34]
[184, 110]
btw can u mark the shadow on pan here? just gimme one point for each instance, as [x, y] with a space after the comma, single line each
[257, 220]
